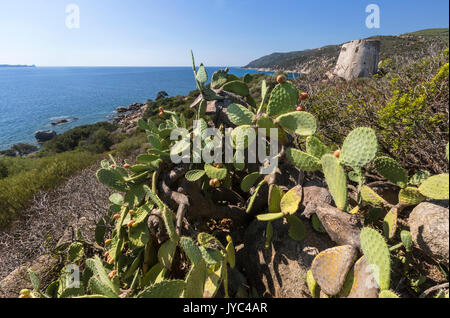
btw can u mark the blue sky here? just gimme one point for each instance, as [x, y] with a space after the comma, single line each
[221, 32]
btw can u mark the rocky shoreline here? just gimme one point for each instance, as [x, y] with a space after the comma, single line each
[126, 118]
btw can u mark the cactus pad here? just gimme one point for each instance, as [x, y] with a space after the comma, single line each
[195, 281]
[283, 99]
[239, 115]
[269, 234]
[236, 87]
[419, 177]
[410, 196]
[215, 173]
[407, 241]
[249, 180]
[387, 294]
[360, 282]
[164, 289]
[316, 148]
[218, 79]
[313, 287]
[317, 225]
[166, 253]
[390, 223]
[194, 175]
[112, 179]
[191, 249]
[336, 180]
[302, 160]
[202, 75]
[242, 137]
[267, 123]
[139, 234]
[301, 123]
[297, 230]
[377, 255]
[330, 268]
[436, 187]
[391, 170]
[370, 196]
[275, 195]
[359, 148]
[269, 217]
[291, 200]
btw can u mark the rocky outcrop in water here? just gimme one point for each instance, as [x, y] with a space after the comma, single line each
[44, 135]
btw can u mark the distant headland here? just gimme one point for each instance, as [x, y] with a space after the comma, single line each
[8, 65]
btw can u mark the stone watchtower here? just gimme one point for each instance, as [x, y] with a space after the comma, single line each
[358, 59]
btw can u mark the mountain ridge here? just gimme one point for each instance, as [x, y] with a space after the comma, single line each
[407, 44]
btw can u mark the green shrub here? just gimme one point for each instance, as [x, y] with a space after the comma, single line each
[130, 144]
[408, 109]
[79, 136]
[3, 170]
[28, 176]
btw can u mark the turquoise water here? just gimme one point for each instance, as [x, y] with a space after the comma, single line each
[31, 98]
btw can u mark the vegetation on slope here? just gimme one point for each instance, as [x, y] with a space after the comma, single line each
[157, 238]
[413, 45]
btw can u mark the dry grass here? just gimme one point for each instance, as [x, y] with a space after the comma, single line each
[44, 223]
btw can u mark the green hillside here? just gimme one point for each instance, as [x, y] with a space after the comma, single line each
[412, 45]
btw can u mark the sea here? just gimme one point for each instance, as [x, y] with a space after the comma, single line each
[31, 98]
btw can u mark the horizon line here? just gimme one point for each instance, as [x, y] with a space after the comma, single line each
[190, 66]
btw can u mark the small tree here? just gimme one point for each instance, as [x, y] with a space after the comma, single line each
[161, 95]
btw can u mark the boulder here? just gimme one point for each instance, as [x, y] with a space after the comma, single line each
[429, 225]
[358, 59]
[45, 267]
[60, 122]
[122, 109]
[280, 270]
[44, 135]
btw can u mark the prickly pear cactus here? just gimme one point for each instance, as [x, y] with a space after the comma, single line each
[330, 268]
[390, 223]
[313, 287]
[290, 202]
[316, 148]
[164, 289]
[410, 196]
[283, 99]
[370, 196]
[302, 160]
[240, 115]
[219, 78]
[377, 255]
[336, 179]
[275, 196]
[112, 179]
[407, 241]
[391, 170]
[388, 294]
[237, 87]
[436, 187]
[359, 148]
[301, 123]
